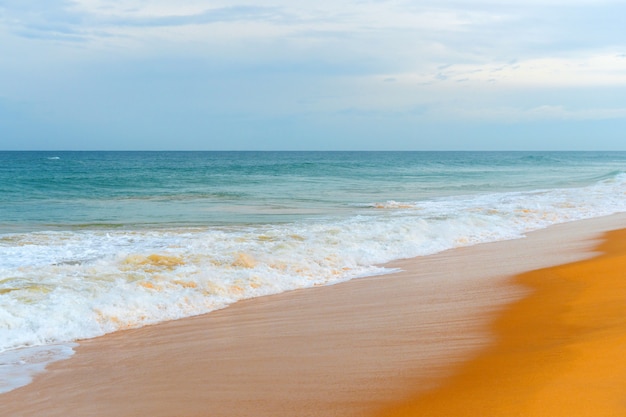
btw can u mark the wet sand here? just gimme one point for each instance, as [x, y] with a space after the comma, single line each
[559, 351]
[384, 345]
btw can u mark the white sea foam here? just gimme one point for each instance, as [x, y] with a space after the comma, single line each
[18, 367]
[58, 287]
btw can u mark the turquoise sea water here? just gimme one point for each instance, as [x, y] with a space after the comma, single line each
[94, 242]
[71, 190]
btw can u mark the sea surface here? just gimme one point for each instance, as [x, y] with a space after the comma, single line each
[95, 242]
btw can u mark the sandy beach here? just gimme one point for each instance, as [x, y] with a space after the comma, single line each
[437, 338]
[559, 351]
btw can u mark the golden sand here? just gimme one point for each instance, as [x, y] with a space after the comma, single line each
[561, 351]
[362, 347]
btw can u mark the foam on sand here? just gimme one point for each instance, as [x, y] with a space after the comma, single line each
[351, 349]
[19, 366]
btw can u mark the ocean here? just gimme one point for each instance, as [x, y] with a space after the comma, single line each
[96, 242]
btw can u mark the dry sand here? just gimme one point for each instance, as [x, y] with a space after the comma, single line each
[368, 347]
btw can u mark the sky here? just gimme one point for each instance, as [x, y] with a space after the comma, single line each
[312, 75]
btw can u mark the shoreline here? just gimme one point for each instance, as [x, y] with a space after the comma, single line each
[350, 349]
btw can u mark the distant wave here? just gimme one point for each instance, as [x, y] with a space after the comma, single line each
[610, 176]
[539, 158]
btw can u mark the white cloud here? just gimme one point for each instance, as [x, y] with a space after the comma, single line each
[594, 69]
[398, 33]
[521, 115]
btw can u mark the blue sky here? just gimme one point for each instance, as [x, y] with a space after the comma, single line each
[290, 74]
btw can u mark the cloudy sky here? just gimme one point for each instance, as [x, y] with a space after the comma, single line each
[324, 74]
